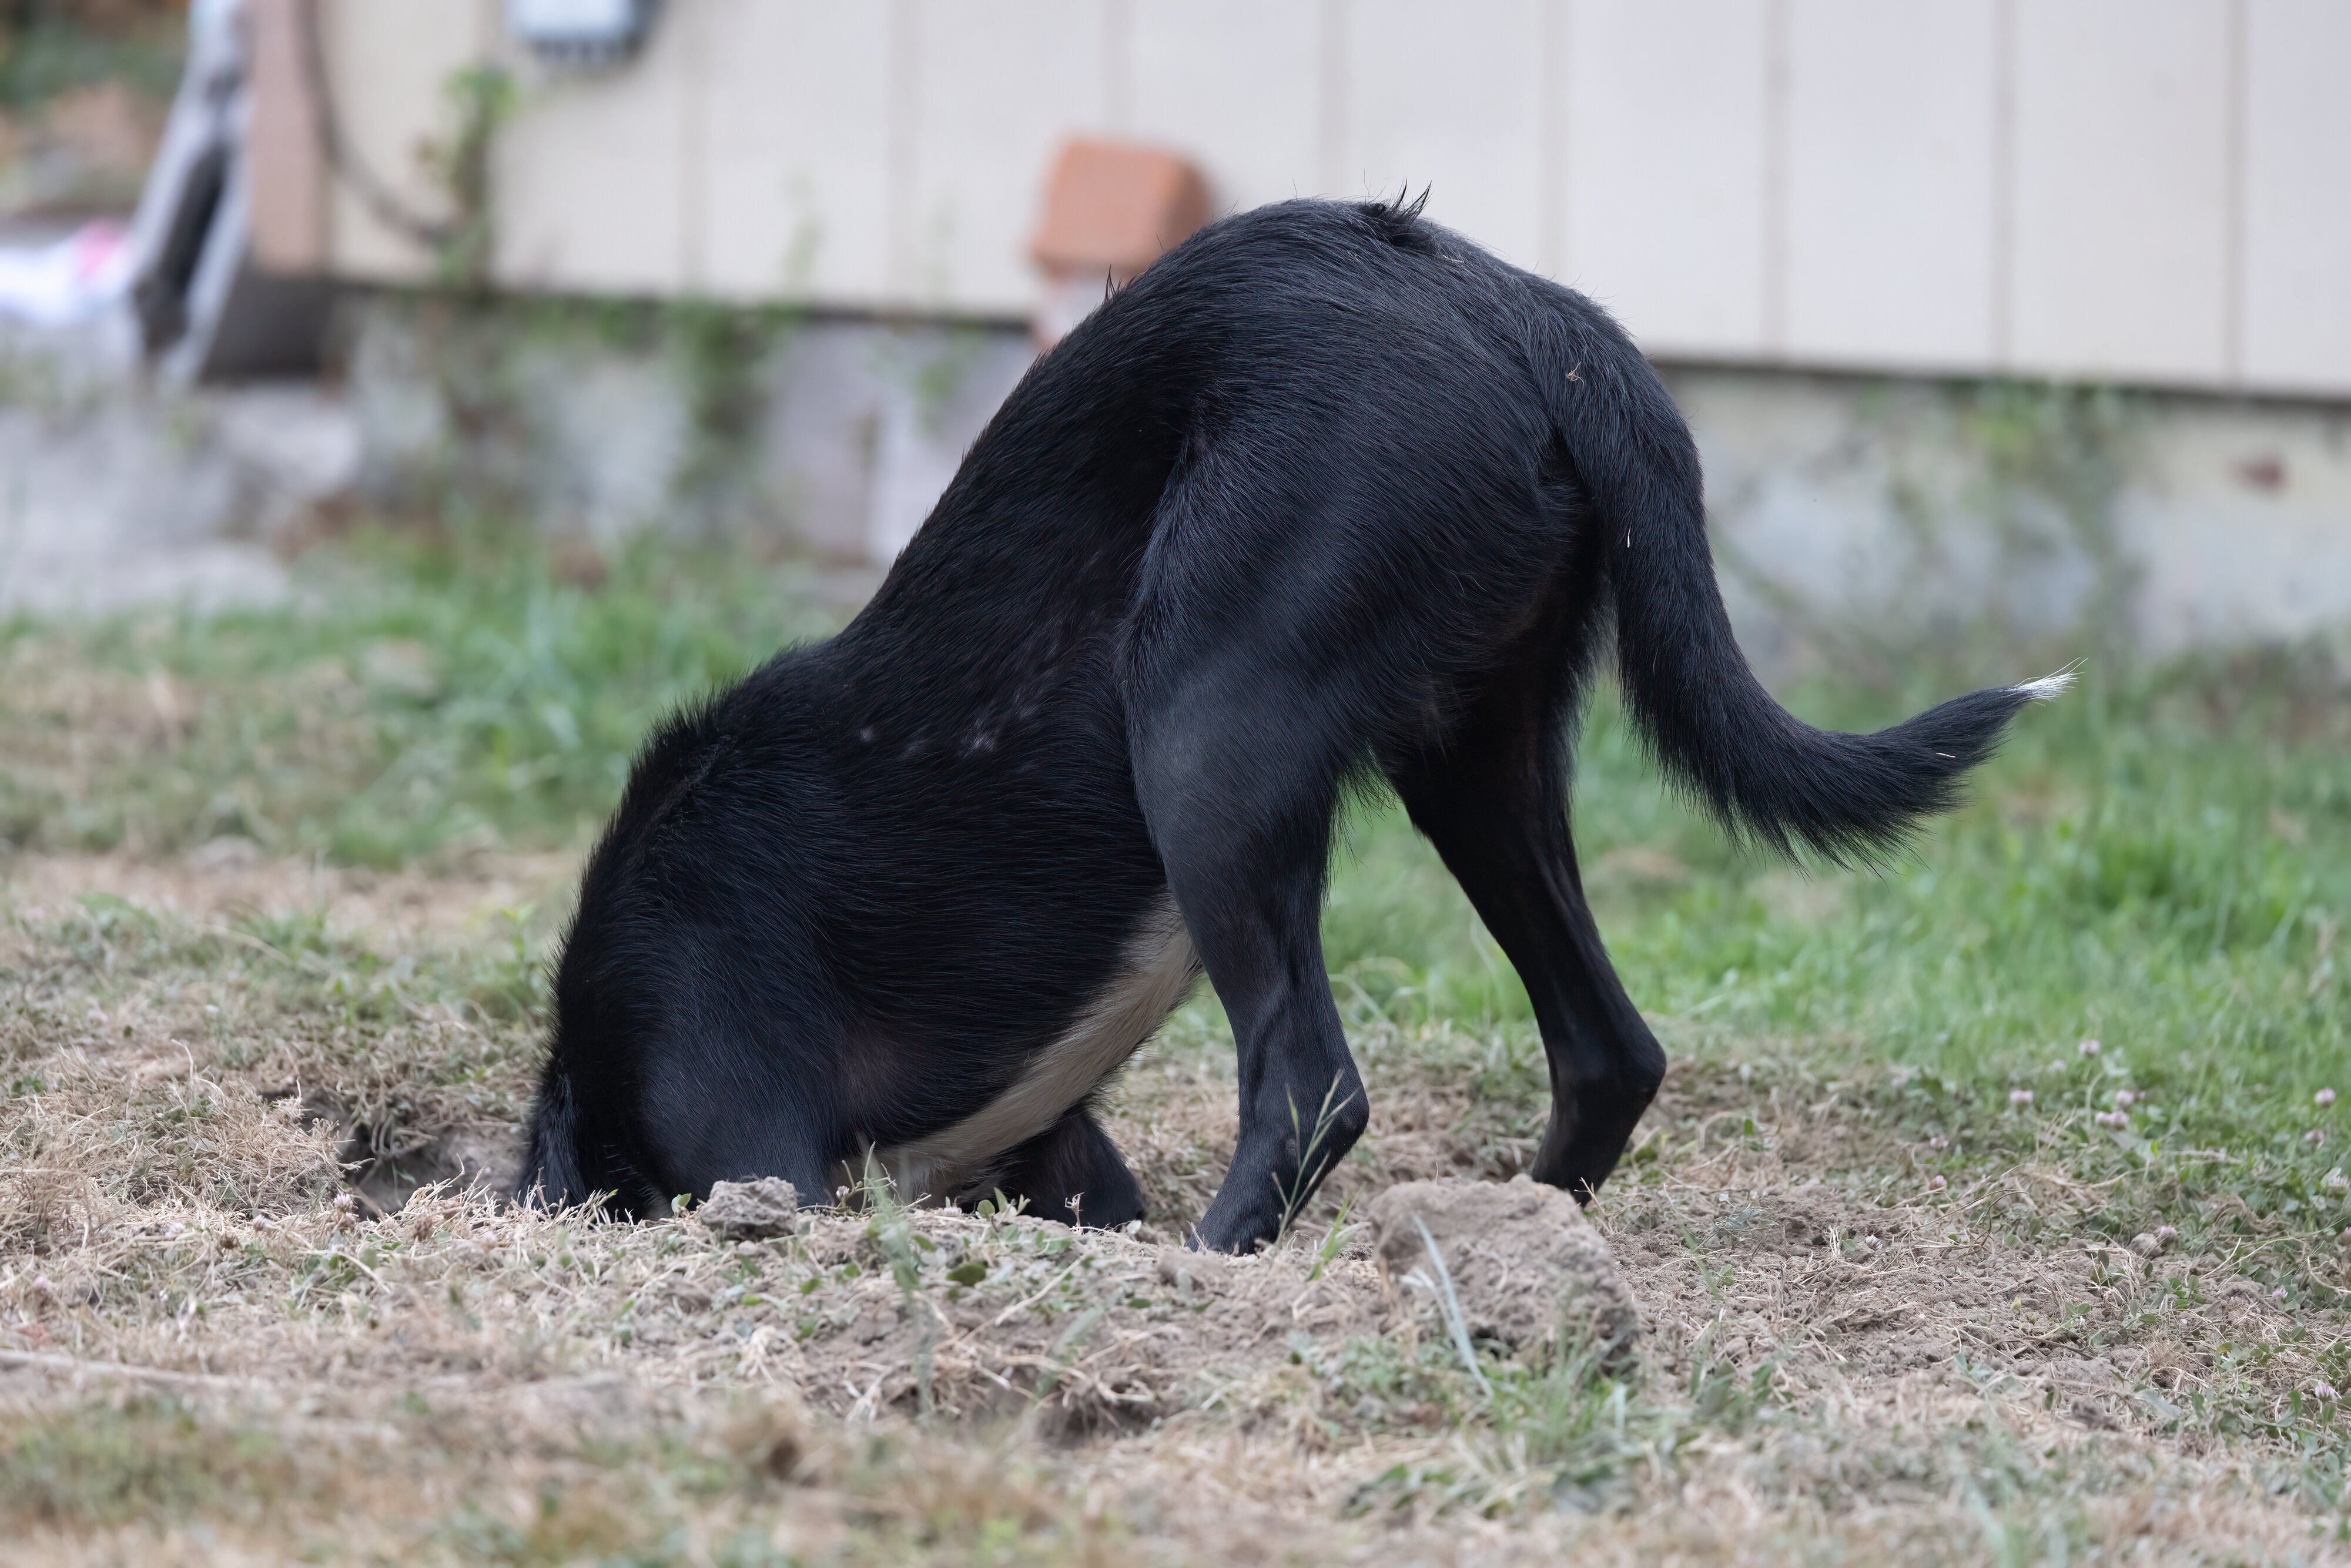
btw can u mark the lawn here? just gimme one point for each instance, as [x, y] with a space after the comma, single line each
[1925, 1273]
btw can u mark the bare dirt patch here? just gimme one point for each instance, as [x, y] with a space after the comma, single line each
[467, 896]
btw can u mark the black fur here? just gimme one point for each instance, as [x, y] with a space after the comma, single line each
[1326, 494]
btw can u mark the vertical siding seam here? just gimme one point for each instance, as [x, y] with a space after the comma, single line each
[1118, 66]
[2002, 235]
[1550, 128]
[1777, 67]
[2236, 108]
[905, 106]
[1333, 40]
[693, 145]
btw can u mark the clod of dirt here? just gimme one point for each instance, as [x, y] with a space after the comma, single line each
[1188, 1271]
[1522, 1261]
[751, 1210]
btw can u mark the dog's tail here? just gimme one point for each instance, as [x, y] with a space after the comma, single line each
[1763, 771]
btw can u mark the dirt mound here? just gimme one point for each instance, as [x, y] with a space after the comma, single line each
[1518, 1258]
[752, 1210]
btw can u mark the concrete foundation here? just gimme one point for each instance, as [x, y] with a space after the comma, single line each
[1900, 509]
[1877, 510]
[835, 436]
[115, 492]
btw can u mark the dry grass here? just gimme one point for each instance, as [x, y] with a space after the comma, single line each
[206, 1356]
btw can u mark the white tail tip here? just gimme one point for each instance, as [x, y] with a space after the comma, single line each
[2047, 689]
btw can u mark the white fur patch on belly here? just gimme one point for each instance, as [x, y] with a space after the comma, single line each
[1154, 973]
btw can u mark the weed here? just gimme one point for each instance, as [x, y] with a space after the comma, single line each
[1448, 1304]
[1314, 1158]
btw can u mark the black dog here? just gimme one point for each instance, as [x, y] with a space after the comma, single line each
[1326, 494]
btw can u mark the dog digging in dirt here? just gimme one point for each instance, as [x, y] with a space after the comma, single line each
[1326, 496]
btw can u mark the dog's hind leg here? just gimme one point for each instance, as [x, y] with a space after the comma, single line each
[1495, 805]
[1070, 1171]
[1239, 786]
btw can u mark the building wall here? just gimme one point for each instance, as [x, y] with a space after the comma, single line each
[2038, 522]
[2149, 191]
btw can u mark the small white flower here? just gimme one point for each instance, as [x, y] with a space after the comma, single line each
[1938, 1141]
[2325, 1097]
[2165, 1233]
[2278, 1294]
[345, 1202]
[2114, 1118]
[1936, 1184]
[2313, 1135]
[2020, 1096]
[2125, 1099]
[2088, 1048]
[2336, 1181]
[2323, 1389]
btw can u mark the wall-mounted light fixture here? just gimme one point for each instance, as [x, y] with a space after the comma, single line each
[581, 31]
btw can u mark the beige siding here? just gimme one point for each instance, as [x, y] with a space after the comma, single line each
[387, 66]
[979, 150]
[2297, 202]
[796, 150]
[1665, 170]
[2143, 190]
[2122, 175]
[1892, 196]
[596, 188]
[1457, 109]
[1238, 85]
